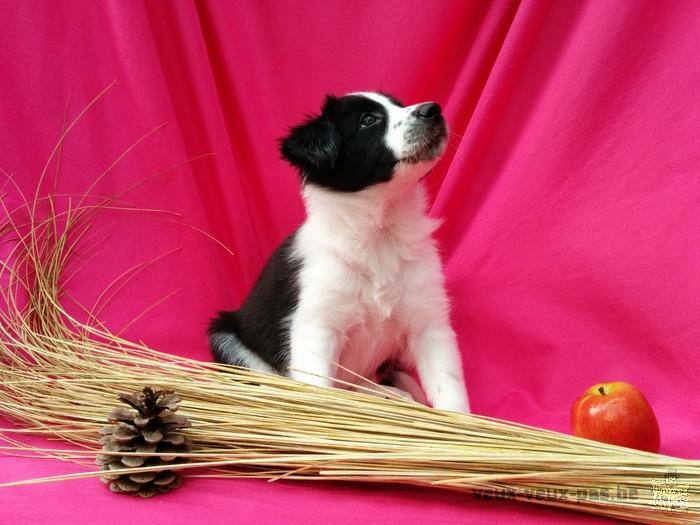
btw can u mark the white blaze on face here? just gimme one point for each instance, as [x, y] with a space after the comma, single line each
[401, 120]
[398, 123]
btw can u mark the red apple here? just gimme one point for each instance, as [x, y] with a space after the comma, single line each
[616, 413]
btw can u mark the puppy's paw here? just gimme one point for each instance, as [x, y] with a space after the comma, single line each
[386, 392]
[453, 405]
[397, 392]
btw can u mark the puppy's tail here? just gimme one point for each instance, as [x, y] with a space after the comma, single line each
[223, 340]
[228, 348]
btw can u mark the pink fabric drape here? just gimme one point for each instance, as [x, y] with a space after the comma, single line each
[570, 195]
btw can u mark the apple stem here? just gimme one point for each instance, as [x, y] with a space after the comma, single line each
[601, 390]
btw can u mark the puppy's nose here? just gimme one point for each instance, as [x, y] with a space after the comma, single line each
[429, 110]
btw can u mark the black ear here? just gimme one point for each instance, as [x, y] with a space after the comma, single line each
[313, 146]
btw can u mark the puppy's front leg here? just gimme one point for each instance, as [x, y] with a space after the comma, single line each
[313, 350]
[439, 368]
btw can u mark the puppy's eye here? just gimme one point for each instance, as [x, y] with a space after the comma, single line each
[368, 120]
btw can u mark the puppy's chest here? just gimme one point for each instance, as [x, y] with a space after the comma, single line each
[376, 272]
[375, 329]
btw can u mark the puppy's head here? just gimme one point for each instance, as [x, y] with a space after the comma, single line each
[364, 139]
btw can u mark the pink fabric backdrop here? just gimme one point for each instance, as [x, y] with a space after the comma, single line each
[570, 193]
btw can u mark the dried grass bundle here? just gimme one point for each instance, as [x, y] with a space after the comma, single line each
[59, 376]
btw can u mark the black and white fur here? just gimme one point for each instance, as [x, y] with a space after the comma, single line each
[360, 282]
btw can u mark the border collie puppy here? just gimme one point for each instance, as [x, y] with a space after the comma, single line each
[360, 283]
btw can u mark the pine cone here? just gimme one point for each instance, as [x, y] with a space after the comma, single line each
[154, 427]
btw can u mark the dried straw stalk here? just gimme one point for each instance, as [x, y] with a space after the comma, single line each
[59, 376]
